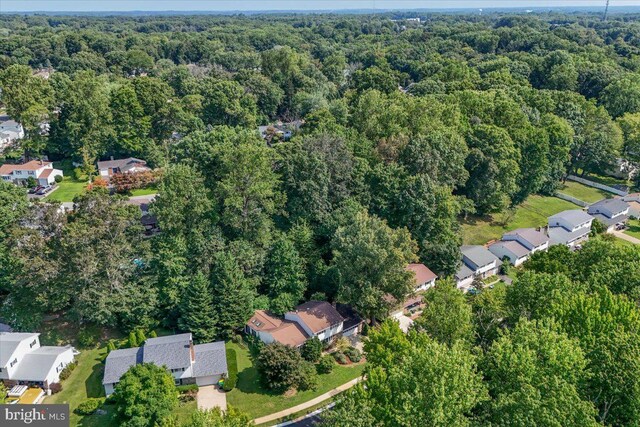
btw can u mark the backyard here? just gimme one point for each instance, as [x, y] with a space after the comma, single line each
[70, 187]
[532, 213]
[584, 192]
[250, 397]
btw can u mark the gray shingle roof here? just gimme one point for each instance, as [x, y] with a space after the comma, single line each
[119, 361]
[211, 359]
[172, 351]
[9, 341]
[479, 255]
[122, 164]
[610, 221]
[563, 236]
[572, 216]
[514, 247]
[612, 205]
[531, 235]
[463, 272]
[35, 365]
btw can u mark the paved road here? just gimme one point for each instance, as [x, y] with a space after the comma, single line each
[626, 237]
[308, 404]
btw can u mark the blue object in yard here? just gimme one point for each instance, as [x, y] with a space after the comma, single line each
[138, 262]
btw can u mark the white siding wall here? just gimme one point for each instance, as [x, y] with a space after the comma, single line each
[65, 358]
[19, 353]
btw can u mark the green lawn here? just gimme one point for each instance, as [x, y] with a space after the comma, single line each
[584, 192]
[532, 213]
[144, 191]
[250, 397]
[69, 187]
[634, 228]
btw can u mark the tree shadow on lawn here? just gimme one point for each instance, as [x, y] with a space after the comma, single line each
[93, 383]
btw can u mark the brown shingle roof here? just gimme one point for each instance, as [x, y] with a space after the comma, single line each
[318, 315]
[33, 165]
[283, 331]
[423, 274]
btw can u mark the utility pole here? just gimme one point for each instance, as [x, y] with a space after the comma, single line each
[606, 9]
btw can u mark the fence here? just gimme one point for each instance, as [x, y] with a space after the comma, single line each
[597, 185]
[572, 200]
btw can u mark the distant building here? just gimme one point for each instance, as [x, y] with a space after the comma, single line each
[633, 200]
[202, 364]
[42, 172]
[311, 319]
[108, 168]
[10, 131]
[569, 227]
[477, 263]
[610, 212]
[24, 361]
[518, 245]
[280, 131]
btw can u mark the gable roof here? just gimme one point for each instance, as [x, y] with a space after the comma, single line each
[9, 342]
[531, 235]
[33, 165]
[318, 315]
[284, 331]
[36, 364]
[122, 164]
[477, 254]
[572, 216]
[422, 273]
[512, 246]
[118, 363]
[172, 351]
[615, 206]
[211, 359]
[463, 272]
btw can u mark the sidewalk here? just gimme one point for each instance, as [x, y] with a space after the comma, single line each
[626, 237]
[307, 404]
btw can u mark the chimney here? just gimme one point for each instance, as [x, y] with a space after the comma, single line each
[112, 158]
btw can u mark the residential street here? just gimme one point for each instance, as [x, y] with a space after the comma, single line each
[626, 237]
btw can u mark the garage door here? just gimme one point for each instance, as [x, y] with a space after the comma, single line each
[207, 380]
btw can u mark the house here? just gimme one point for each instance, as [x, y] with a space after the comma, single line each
[148, 220]
[633, 200]
[623, 169]
[424, 277]
[511, 250]
[532, 239]
[24, 361]
[569, 227]
[129, 165]
[10, 131]
[311, 319]
[202, 364]
[42, 172]
[477, 263]
[610, 212]
[280, 131]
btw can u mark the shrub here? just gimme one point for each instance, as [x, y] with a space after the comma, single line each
[153, 334]
[325, 366]
[87, 338]
[237, 339]
[281, 367]
[80, 175]
[57, 179]
[31, 182]
[64, 374]
[311, 350]
[341, 344]
[232, 366]
[340, 357]
[308, 379]
[365, 329]
[88, 406]
[140, 337]
[187, 388]
[133, 339]
[353, 354]
[111, 346]
[55, 388]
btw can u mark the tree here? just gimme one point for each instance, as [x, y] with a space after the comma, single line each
[622, 96]
[281, 368]
[145, 396]
[227, 103]
[233, 294]
[197, 313]
[130, 124]
[370, 258]
[217, 418]
[311, 350]
[284, 278]
[630, 126]
[447, 317]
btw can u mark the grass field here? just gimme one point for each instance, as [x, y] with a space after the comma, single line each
[144, 191]
[250, 397]
[584, 192]
[634, 228]
[69, 187]
[532, 213]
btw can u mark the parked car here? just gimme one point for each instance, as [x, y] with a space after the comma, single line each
[44, 190]
[35, 189]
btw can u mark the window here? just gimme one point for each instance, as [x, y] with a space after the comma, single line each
[32, 344]
[14, 362]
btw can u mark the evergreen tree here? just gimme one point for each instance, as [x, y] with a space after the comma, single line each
[196, 311]
[284, 276]
[233, 294]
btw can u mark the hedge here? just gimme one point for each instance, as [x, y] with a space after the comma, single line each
[88, 407]
[232, 367]
[187, 388]
[64, 374]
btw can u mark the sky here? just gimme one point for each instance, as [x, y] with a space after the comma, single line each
[246, 5]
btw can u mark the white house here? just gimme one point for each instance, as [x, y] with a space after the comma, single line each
[311, 319]
[10, 131]
[611, 212]
[42, 172]
[510, 250]
[530, 238]
[202, 364]
[111, 167]
[569, 227]
[424, 277]
[25, 361]
[477, 263]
